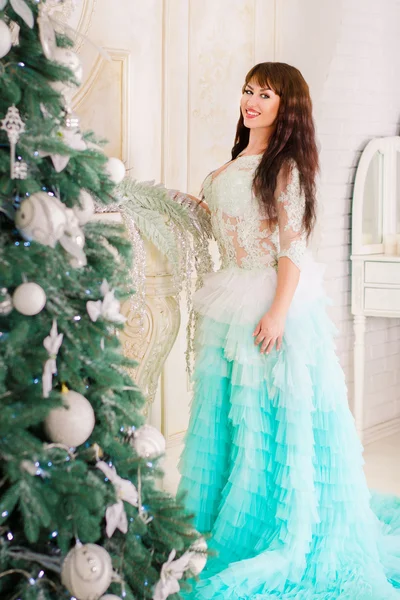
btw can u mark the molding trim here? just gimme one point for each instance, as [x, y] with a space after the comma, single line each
[381, 430]
[115, 55]
[85, 22]
[176, 439]
[79, 32]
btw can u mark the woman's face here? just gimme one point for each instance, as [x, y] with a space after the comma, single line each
[259, 106]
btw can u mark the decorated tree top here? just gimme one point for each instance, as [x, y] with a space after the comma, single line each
[80, 511]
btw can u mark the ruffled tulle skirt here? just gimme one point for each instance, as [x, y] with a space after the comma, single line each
[272, 463]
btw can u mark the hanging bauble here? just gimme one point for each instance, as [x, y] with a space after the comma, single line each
[148, 441]
[5, 39]
[73, 423]
[41, 218]
[85, 210]
[110, 597]
[6, 304]
[115, 169]
[87, 571]
[14, 127]
[29, 299]
[69, 59]
[198, 559]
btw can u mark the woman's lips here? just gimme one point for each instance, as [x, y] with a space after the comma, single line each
[252, 115]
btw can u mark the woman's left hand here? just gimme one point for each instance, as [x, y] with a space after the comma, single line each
[269, 331]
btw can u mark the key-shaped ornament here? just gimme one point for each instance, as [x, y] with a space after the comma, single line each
[14, 126]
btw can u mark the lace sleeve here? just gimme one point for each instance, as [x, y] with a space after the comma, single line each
[290, 206]
[205, 186]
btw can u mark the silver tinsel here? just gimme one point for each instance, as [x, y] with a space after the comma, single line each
[137, 271]
[192, 248]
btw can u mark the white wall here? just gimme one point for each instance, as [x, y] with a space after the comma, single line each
[187, 61]
[359, 101]
[208, 48]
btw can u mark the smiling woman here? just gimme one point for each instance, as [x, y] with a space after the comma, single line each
[272, 464]
[259, 110]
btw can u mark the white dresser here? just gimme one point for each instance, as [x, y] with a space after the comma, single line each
[375, 278]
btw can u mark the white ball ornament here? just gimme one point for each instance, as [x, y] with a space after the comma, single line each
[198, 560]
[148, 441]
[41, 218]
[87, 571]
[85, 211]
[5, 39]
[110, 597]
[115, 169]
[29, 299]
[73, 423]
[69, 59]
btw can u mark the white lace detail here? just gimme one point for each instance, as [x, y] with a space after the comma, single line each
[295, 252]
[239, 219]
[292, 237]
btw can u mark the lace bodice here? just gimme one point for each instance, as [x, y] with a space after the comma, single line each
[239, 221]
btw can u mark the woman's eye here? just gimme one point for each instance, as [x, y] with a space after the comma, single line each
[250, 92]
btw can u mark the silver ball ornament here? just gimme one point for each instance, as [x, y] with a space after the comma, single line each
[87, 571]
[5, 39]
[115, 169]
[148, 441]
[73, 423]
[29, 299]
[69, 59]
[41, 218]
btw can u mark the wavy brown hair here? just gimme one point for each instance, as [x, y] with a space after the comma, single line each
[293, 138]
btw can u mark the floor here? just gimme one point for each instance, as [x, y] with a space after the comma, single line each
[382, 466]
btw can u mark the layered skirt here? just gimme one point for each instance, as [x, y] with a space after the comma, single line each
[272, 463]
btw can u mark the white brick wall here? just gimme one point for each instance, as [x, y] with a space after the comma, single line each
[360, 100]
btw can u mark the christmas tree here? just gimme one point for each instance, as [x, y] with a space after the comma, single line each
[81, 514]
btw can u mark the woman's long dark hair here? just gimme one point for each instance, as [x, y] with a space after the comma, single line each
[293, 138]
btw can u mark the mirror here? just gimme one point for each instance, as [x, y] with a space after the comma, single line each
[372, 201]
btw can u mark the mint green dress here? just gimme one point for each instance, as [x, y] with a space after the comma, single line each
[272, 463]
